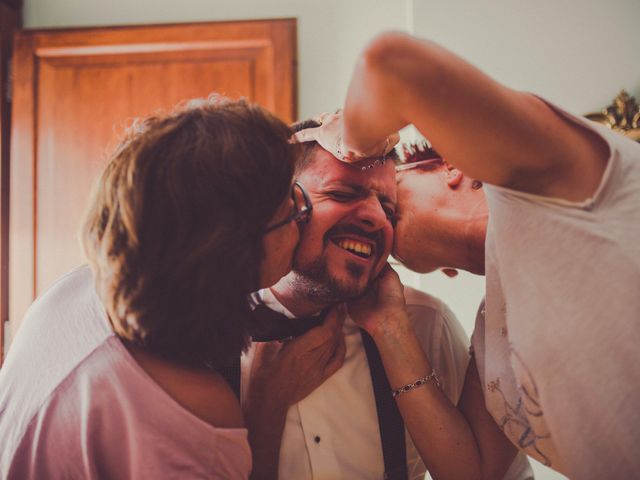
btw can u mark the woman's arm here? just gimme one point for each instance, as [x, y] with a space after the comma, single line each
[489, 131]
[495, 449]
[454, 443]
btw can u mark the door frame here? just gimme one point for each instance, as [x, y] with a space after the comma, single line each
[10, 22]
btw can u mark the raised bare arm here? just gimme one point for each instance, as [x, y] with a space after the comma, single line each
[454, 443]
[489, 131]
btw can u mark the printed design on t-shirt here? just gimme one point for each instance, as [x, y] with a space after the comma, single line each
[523, 421]
[415, 467]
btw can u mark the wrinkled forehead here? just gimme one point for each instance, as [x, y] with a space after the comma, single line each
[325, 170]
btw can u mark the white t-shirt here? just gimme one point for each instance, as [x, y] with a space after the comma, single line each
[74, 404]
[557, 349]
[334, 433]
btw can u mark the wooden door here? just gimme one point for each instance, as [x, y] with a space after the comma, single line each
[10, 18]
[76, 90]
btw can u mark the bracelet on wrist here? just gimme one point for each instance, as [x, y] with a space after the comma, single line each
[432, 377]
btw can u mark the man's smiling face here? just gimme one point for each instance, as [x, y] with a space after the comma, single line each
[350, 234]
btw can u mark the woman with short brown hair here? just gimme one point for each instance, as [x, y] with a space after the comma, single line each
[117, 370]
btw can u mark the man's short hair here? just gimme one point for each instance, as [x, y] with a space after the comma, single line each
[173, 231]
[306, 157]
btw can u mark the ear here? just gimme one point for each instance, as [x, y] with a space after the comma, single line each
[454, 177]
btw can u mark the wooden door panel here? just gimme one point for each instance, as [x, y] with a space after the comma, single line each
[67, 106]
[88, 88]
[10, 20]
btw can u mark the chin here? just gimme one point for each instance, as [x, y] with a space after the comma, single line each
[345, 286]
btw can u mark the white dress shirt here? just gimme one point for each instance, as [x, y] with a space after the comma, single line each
[334, 433]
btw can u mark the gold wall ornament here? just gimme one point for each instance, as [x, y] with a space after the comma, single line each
[623, 116]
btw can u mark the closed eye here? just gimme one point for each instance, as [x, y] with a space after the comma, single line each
[342, 196]
[391, 215]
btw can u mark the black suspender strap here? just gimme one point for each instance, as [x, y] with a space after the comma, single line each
[394, 449]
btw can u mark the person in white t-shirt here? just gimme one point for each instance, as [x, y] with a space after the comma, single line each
[560, 318]
[557, 364]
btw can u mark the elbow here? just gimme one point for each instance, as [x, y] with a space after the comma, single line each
[407, 65]
[383, 50]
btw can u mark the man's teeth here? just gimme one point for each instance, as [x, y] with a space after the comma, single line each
[362, 249]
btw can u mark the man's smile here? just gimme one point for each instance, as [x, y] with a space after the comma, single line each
[362, 248]
[357, 244]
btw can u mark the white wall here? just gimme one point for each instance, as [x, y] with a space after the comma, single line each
[330, 32]
[575, 53]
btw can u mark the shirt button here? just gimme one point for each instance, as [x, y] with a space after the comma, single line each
[316, 439]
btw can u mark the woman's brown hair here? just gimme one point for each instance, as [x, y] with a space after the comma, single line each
[172, 233]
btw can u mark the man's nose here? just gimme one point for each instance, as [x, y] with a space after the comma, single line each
[371, 215]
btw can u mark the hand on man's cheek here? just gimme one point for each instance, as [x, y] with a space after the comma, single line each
[385, 257]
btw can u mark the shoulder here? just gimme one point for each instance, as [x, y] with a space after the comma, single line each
[204, 393]
[433, 320]
[418, 298]
[427, 310]
[69, 293]
[442, 338]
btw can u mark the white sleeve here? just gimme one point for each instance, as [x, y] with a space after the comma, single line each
[443, 339]
[454, 355]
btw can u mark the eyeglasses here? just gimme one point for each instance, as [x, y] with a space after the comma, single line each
[420, 163]
[302, 208]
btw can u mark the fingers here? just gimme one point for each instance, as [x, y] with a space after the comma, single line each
[333, 324]
[306, 135]
[266, 351]
[389, 281]
[314, 338]
[336, 360]
[312, 134]
[335, 318]
[319, 336]
[392, 141]
[387, 271]
[329, 136]
[326, 117]
[350, 157]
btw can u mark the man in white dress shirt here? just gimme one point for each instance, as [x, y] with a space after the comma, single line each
[334, 432]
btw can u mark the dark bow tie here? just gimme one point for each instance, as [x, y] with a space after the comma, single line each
[268, 325]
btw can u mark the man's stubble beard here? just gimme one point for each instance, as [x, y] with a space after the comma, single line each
[316, 283]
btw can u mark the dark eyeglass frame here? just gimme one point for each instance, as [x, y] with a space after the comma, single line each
[302, 215]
